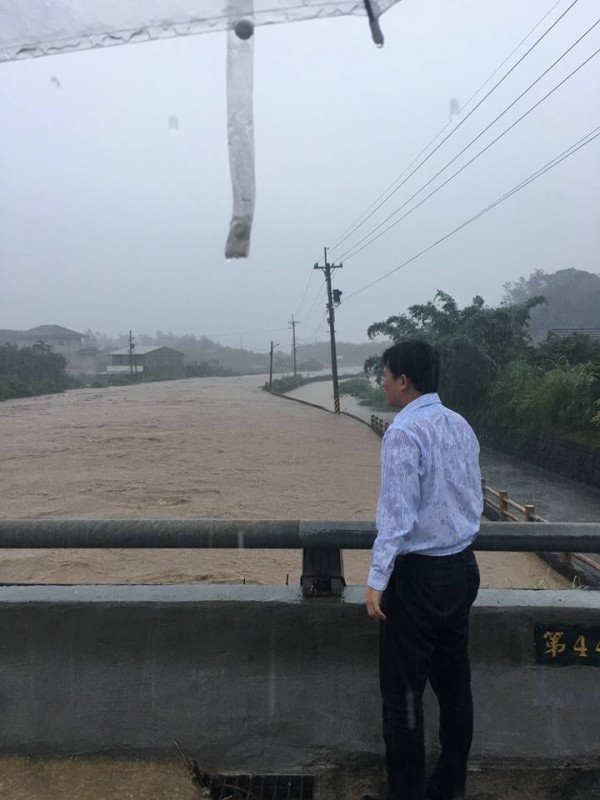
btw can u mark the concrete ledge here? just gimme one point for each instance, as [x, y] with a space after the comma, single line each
[256, 678]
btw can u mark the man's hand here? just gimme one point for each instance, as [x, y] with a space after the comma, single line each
[373, 601]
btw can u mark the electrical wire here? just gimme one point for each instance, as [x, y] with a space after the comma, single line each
[339, 239]
[355, 249]
[319, 326]
[585, 140]
[453, 131]
[310, 277]
[312, 309]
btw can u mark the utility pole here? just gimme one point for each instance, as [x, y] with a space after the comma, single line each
[131, 349]
[273, 346]
[293, 323]
[333, 299]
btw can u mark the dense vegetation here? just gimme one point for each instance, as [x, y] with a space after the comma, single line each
[367, 394]
[492, 372]
[289, 382]
[29, 371]
[285, 384]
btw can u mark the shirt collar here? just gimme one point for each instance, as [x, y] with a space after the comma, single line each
[429, 399]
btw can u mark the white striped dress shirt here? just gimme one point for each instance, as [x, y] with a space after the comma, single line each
[430, 500]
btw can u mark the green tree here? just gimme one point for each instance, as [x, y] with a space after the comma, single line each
[568, 351]
[28, 371]
[476, 343]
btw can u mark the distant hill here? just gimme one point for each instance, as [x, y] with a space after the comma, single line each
[572, 299]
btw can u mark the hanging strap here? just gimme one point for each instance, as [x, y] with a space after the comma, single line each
[240, 121]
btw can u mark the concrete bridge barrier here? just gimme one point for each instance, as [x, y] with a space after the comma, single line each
[260, 678]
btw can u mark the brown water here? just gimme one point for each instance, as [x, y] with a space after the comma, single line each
[209, 447]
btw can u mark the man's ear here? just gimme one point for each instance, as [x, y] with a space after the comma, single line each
[406, 382]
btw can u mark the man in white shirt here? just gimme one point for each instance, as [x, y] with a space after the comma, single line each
[424, 577]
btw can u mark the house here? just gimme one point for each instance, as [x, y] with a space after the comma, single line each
[151, 361]
[78, 349]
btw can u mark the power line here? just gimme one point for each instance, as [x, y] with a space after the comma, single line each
[310, 277]
[318, 298]
[585, 140]
[355, 249]
[453, 131]
[339, 239]
[319, 326]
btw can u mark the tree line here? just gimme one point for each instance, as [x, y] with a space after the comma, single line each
[493, 370]
[213, 358]
[28, 371]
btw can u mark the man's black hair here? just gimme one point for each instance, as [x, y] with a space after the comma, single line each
[417, 360]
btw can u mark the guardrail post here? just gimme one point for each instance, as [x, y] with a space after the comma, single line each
[529, 513]
[503, 505]
[379, 425]
[322, 572]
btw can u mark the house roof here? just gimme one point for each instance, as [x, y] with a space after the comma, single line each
[142, 350]
[43, 332]
[53, 331]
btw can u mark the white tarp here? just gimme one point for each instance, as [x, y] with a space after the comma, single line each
[32, 28]
[48, 27]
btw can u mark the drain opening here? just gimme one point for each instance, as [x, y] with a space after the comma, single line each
[263, 787]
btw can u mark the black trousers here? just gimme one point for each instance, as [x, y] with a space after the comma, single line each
[425, 637]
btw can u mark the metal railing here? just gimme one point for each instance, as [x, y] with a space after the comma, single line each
[322, 542]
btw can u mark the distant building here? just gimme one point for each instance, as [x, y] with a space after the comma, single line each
[563, 333]
[153, 361]
[78, 350]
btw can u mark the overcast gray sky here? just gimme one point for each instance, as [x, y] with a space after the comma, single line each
[114, 180]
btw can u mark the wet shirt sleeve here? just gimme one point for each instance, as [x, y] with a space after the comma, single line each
[399, 503]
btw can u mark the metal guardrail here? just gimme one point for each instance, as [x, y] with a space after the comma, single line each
[272, 534]
[322, 542]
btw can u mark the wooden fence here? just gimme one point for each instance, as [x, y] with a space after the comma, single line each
[500, 504]
[507, 509]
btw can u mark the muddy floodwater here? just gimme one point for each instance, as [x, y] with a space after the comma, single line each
[208, 447]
